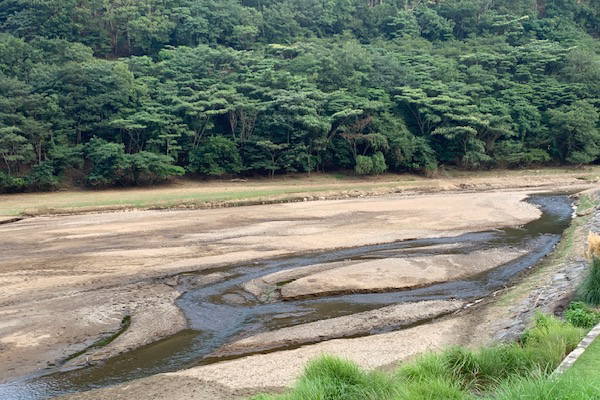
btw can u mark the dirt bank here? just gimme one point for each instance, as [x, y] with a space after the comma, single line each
[299, 187]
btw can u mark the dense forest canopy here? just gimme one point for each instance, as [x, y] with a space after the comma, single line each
[104, 92]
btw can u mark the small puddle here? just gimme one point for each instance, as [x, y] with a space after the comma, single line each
[222, 311]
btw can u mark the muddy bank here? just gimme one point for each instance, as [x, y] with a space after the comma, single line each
[49, 325]
[554, 285]
[389, 274]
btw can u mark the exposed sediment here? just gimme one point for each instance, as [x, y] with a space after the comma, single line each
[544, 290]
[389, 274]
[385, 318]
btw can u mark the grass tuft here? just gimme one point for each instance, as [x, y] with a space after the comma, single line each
[548, 388]
[581, 316]
[331, 378]
[591, 285]
[435, 388]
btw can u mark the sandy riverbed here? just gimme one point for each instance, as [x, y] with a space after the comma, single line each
[544, 290]
[66, 281]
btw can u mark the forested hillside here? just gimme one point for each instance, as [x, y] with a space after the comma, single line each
[121, 92]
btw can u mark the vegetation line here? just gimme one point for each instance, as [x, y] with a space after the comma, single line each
[138, 92]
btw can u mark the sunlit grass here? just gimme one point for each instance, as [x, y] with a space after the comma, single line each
[588, 364]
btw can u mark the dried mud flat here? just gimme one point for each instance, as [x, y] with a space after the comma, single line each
[68, 281]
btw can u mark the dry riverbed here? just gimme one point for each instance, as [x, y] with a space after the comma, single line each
[68, 281]
[499, 317]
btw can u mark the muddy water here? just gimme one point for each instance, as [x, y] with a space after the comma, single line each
[221, 312]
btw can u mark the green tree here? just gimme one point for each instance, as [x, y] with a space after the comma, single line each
[108, 160]
[577, 137]
[148, 167]
[216, 156]
[14, 149]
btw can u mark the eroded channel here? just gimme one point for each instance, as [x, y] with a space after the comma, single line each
[222, 311]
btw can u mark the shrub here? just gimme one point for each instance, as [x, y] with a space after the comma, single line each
[591, 285]
[364, 165]
[379, 165]
[110, 165]
[513, 153]
[42, 177]
[215, 157]
[579, 315]
[373, 165]
[147, 167]
[11, 184]
[108, 162]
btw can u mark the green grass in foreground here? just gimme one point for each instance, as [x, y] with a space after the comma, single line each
[504, 371]
[588, 364]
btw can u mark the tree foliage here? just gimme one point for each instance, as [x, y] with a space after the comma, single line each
[122, 92]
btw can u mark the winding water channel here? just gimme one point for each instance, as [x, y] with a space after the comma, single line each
[215, 319]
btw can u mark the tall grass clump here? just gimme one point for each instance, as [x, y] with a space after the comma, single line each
[331, 378]
[590, 292]
[550, 340]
